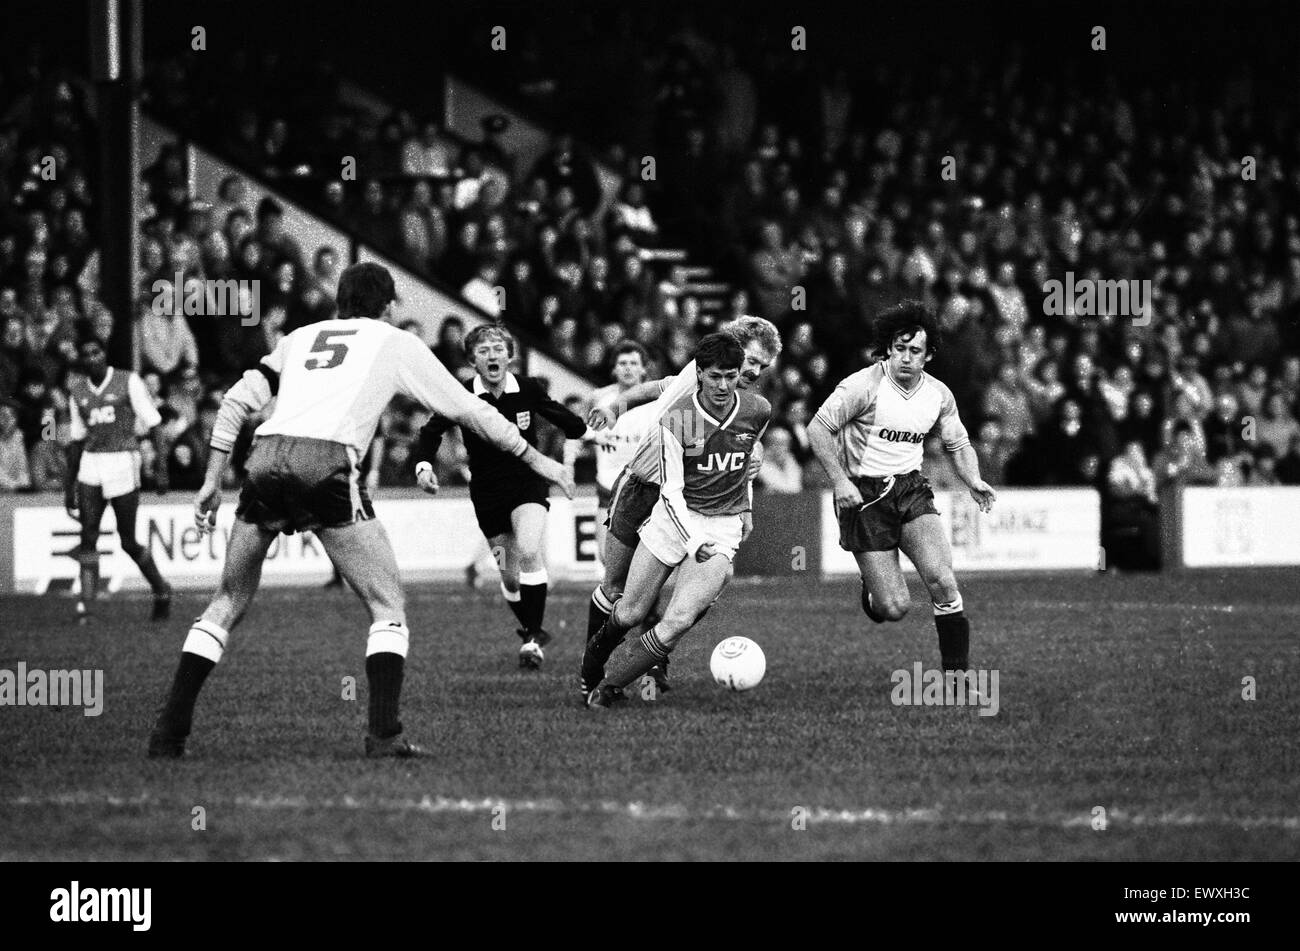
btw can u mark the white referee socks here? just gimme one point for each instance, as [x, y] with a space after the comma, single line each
[388, 637]
[206, 639]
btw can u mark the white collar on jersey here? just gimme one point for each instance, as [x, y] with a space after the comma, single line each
[907, 394]
[722, 424]
[103, 386]
[512, 384]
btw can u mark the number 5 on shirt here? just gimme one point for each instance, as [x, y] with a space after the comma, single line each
[326, 342]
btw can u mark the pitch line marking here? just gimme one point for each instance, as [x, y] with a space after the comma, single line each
[676, 812]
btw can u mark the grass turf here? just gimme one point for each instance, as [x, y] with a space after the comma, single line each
[1123, 692]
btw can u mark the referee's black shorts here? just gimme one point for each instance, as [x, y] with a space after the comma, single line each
[493, 504]
[877, 524]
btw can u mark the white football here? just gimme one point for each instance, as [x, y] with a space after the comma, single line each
[738, 664]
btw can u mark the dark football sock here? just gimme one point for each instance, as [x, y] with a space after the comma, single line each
[178, 711]
[954, 640]
[634, 659]
[597, 612]
[89, 581]
[532, 598]
[607, 639]
[385, 670]
[144, 561]
[514, 600]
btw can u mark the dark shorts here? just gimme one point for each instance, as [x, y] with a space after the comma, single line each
[878, 525]
[632, 502]
[603, 495]
[296, 484]
[493, 508]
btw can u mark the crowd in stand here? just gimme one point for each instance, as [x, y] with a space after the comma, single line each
[820, 195]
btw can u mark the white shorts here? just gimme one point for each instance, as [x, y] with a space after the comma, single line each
[116, 473]
[660, 534]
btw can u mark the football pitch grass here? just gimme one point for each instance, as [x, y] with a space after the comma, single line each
[1122, 733]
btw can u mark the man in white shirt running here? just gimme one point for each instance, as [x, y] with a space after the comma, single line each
[331, 381]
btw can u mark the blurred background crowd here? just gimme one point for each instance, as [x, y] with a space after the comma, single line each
[810, 187]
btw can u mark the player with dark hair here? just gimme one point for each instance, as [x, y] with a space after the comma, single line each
[331, 381]
[706, 440]
[509, 501]
[868, 436]
[636, 491]
[110, 409]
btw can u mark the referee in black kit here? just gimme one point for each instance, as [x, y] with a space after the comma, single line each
[510, 502]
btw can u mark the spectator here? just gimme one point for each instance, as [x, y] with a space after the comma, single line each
[1142, 422]
[1263, 471]
[14, 475]
[780, 472]
[430, 154]
[1007, 400]
[1044, 389]
[1130, 517]
[184, 469]
[163, 338]
[481, 289]
[47, 462]
[1223, 429]
[1288, 467]
[14, 360]
[450, 349]
[563, 165]
[774, 270]
[1180, 460]
[35, 407]
[1279, 427]
[994, 451]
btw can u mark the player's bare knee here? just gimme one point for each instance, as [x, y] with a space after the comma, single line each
[942, 586]
[631, 611]
[893, 608]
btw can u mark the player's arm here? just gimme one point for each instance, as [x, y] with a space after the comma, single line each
[76, 443]
[849, 401]
[672, 481]
[248, 396]
[672, 387]
[755, 464]
[964, 460]
[423, 378]
[426, 452]
[574, 428]
[147, 419]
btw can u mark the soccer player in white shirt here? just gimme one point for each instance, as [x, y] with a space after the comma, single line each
[868, 436]
[331, 381]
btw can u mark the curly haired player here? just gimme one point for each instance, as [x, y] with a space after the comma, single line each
[868, 437]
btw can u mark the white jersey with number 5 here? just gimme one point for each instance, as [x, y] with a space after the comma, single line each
[333, 379]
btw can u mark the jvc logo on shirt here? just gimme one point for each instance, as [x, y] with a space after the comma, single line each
[723, 462]
[102, 414]
[77, 904]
